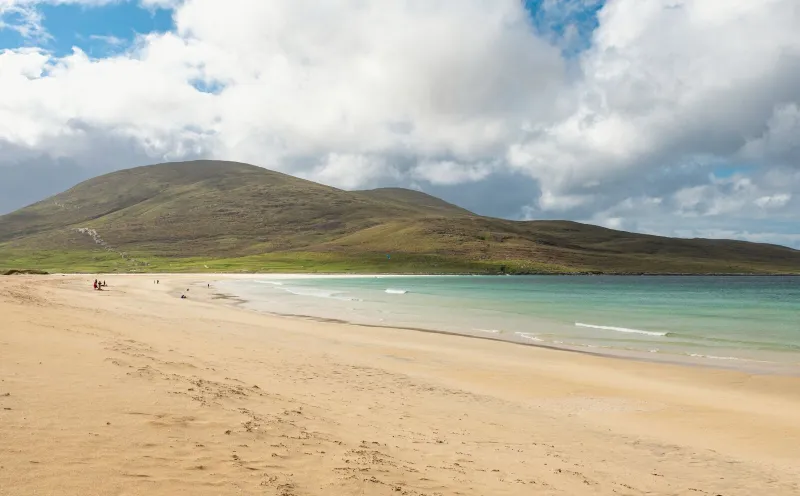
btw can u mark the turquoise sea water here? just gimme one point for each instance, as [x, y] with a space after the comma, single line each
[742, 322]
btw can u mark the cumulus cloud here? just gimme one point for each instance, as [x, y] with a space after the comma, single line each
[667, 81]
[638, 126]
[448, 172]
[779, 141]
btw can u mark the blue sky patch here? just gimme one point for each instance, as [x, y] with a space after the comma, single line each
[10, 38]
[99, 31]
[725, 171]
[212, 87]
[568, 23]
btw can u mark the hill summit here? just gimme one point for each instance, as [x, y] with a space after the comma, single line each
[213, 215]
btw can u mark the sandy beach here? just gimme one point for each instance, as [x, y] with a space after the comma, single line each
[134, 391]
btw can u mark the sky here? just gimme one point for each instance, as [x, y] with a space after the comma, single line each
[670, 117]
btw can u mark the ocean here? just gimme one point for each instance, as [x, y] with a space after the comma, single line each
[747, 322]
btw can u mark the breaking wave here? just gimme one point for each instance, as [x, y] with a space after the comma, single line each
[622, 329]
[319, 293]
[712, 357]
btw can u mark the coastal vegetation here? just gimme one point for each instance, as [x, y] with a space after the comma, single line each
[212, 216]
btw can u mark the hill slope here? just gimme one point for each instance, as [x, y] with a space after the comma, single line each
[229, 216]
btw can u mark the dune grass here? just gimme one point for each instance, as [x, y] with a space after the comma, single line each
[99, 261]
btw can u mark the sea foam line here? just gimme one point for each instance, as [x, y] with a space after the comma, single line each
[317, 293]
[622, 329]
[712, 357]
[531, 337]
[396, 291]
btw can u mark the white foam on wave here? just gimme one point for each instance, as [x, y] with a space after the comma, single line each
[319, 293]
[528, 336]
[712, 357]
[490, 331]
[396, 291]
[621, 329]
[273, 283]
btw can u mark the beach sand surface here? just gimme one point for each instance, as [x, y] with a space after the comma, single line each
[134, 391]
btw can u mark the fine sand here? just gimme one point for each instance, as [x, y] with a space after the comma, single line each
[134, 391]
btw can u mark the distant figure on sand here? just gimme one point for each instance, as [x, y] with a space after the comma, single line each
[95, 284]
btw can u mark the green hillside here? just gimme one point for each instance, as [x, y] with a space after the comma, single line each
[225, 216]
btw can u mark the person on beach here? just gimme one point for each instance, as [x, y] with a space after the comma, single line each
[95, 284]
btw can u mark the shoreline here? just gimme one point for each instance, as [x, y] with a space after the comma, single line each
[780, 370]
[413, 274]
[741, 365]
[132, 390]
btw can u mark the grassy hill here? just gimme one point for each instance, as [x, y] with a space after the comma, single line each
[209, 215]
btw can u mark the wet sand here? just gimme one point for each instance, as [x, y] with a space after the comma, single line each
[134, 391]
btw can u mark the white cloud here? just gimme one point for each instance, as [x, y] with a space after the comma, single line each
[773, 201]
[549, 201]
[22, 18]
[160, 4]
[443, 92]
[350, 171]
[780, 139]
[304, 81]
[669, 80]
[448, 172]
[111, 40]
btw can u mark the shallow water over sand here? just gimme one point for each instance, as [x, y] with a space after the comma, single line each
[741, 322]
